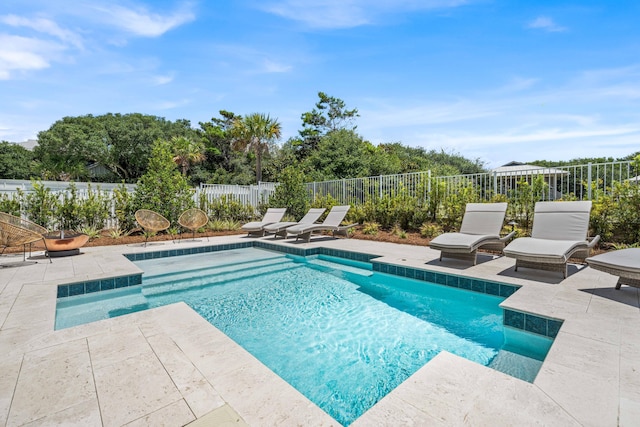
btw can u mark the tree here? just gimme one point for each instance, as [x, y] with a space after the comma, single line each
[121, 143]
[254, 133]
[223, 164]
[291, 192]
[187, 152]
[163, 188]
[16, 162]
[340, 154]
[329, 115]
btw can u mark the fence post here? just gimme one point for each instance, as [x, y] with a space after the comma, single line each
[589, 181]
[495, 182]
[344, 189]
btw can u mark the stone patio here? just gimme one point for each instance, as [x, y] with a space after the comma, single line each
[168, 366]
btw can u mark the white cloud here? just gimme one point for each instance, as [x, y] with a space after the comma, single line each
[349, 13]
[144, 23]
[252, 60]
[547, 24]
[518, 84]
[23, 53]
[274, 67]
[162, 80]
[43, 25]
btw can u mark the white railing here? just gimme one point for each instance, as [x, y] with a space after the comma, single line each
[249, 195]
[578, 181]
[583, 182]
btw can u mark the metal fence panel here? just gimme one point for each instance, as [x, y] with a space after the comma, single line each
[577, 181]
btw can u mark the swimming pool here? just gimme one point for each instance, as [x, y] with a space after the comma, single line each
[341, 334]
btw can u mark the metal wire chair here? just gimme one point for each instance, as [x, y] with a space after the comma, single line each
[151, 222]
[192, 219]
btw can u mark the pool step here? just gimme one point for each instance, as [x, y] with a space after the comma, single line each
[328, 265]
[218, 277]
[180, 271]
[183, 274]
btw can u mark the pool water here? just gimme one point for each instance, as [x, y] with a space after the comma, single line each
[342, 335]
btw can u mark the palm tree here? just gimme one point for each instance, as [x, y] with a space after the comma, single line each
[187, 152]
[254, 132]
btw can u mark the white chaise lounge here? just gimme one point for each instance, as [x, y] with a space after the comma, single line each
[559, 232]
[480, 227]
[256, 228]
[280, 228]
[624, 263]
[331, 223]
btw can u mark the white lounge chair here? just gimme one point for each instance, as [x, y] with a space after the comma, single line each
[559, 232]
[256, 228]
[331, 223]
[480, 228]
[280, 228]
[624, 263]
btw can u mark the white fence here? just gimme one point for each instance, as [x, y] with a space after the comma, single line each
[251, 195]
[583, 182]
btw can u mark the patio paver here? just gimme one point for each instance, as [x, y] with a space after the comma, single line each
[169, 366]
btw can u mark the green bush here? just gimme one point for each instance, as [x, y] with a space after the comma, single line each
[40, 205]
[94, 210]
[370, 228]
[11, 203]
[291, 193]
[429, 230]
[124, 208]
[229, 209]
[67, 210]
[163, 188]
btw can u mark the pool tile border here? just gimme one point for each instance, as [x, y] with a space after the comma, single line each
[540, 325]
[467, 283]
[91, 286]
[525, 321]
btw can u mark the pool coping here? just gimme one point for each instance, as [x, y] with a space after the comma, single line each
[568, 390]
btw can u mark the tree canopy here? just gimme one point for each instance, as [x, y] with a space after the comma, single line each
[120, 143]
[16, 162]
[228, 149]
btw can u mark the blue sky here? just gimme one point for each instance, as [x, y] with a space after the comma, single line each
[493, 80]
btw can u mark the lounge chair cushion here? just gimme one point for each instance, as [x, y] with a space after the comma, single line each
[272, 215]
[561, 220]
[460, 241]
[311, 216]
[544, 250]
[624, 260]
[331, 222]
[278, 226]
[483, 218]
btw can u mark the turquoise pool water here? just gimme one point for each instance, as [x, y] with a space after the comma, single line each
[341, 334]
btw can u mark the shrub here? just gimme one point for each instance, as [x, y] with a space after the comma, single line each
[370, 228]
[11, 203]
[94, 210]
[67, 209]
[223, 225]
[124, 208]
[163, 188]
[228, 208]
[40, 205]
[398, 231]
[291, 193]
[430, 230]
